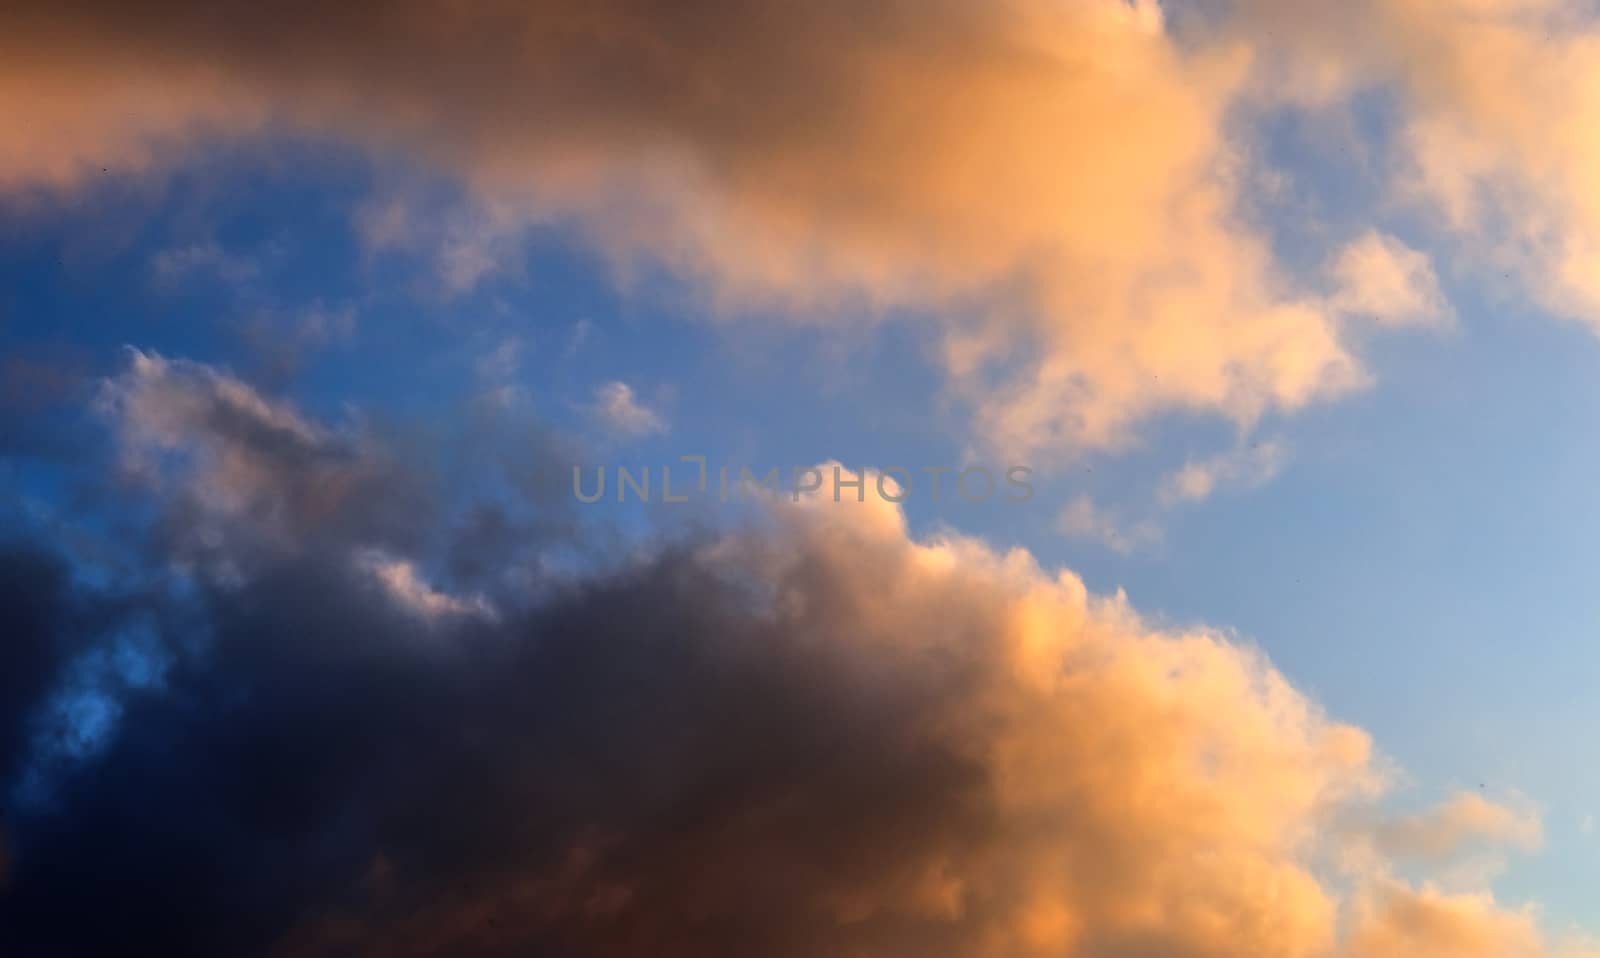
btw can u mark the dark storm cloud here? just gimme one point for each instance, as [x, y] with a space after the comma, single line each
[325, 757]
[44, 624]
[814, 737]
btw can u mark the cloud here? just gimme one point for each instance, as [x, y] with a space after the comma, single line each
[1050, 184]
[1402, 921]
[1247, 466]
[406, 586]
[243, 479]
[1082, 519]
[893, 750]
[279, 341]
[243, 472]
[1464, 822]
[48, 625]
[619, 412]
[813, 735]
[178, 263]
[1494, 122]
[1084, 261]
[466, 244]
[1379, 277]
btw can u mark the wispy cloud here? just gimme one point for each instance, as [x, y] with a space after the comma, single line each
[1461, 824]
[1379, 277]
[620, 412]
[1248, 466]
[180, 263]
[1082, 519]
[465, 243]
[406, 586]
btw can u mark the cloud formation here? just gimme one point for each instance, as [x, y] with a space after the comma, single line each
[1081, 518]
[1458, 824]
[1495, 105]
[815, 736]
[618, 411]
[1249, 466]
[1051, 184]
[242, 473]
[1055, 186]
[1379, 277]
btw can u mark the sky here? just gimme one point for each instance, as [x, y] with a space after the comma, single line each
[1272, 323]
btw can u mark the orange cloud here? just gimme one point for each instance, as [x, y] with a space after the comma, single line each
[1050, 775]
[1497, 102]
[1460, 823]
[817, 736]
[1049, 182]
[1400, 922]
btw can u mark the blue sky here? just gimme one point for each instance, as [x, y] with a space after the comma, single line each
[1399, 456]
[1417, 566]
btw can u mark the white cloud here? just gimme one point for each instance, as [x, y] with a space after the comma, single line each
[618, 410]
